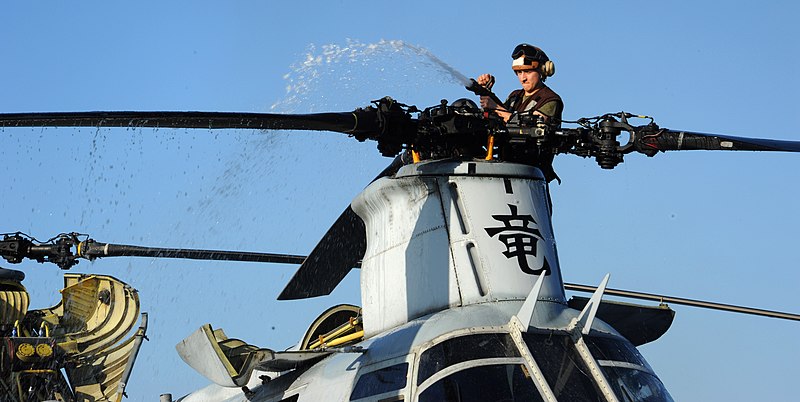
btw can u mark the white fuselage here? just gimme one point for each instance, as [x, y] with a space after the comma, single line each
[449, 234]
[453, 250]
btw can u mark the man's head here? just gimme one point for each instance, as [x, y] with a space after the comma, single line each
[528, 57]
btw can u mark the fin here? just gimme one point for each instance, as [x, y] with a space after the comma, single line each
[525, 314]
[638, 323]
[586, 317]
[339, 251]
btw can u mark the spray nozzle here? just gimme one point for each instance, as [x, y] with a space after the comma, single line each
[480, 90]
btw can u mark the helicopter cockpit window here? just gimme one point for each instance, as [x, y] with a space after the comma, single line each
[562, 367]
[464, 348]
[626, 370]
[475, 368]
[496, 382]
[381, 381]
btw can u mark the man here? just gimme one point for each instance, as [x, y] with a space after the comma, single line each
[532, 67]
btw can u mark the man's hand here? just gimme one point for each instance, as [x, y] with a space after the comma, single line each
[488, 104]
[486, 81]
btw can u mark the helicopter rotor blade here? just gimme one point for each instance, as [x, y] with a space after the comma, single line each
[339, 251]
[66, 249]
[92, 250]
[345, 122]
[686, 302]
[674, 140]
[17, 246]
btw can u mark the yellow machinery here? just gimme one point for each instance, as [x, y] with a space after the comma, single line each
[338, 326]
[89, 336]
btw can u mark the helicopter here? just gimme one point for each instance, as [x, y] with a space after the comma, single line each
[462, 294]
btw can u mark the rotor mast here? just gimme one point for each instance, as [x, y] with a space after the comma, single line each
[445, 234]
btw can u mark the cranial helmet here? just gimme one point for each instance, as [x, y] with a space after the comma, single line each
[531, 57]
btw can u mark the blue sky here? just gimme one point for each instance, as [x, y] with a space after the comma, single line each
[719, 226]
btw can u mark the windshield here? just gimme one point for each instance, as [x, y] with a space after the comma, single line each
[490, 367]
[475, 368]
[626, 370]
[562, 367]
[464, 348]
[498, 382]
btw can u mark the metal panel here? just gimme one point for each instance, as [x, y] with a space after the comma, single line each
[445, 234]
[404, 272]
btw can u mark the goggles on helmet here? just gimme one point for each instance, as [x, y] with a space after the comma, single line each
[524, 49]
[527, 57]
